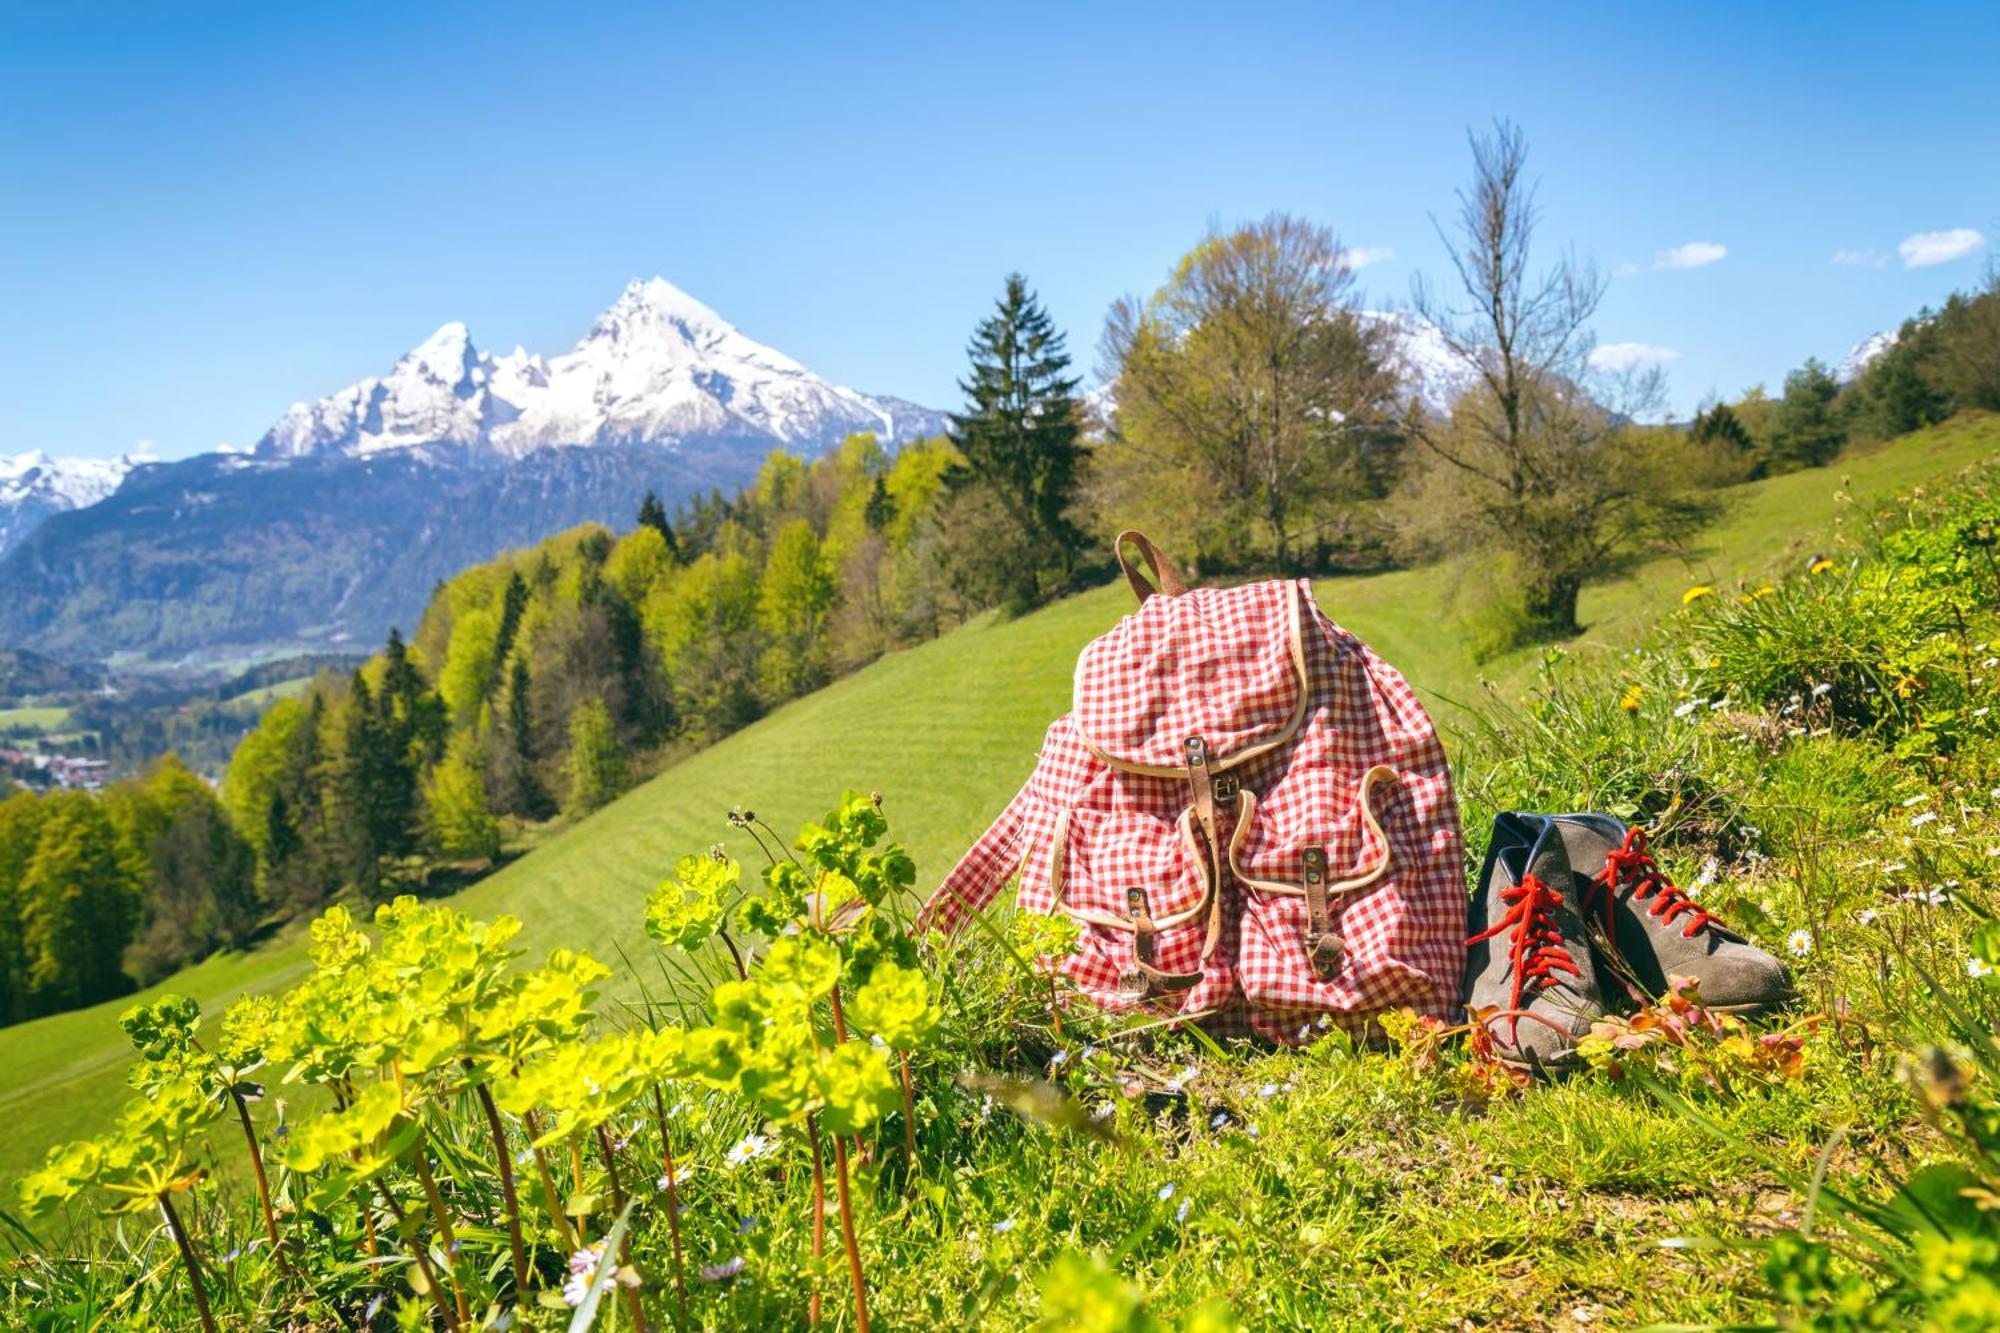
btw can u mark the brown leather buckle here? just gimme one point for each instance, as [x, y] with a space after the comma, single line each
[1323, 947]
[1226, 788]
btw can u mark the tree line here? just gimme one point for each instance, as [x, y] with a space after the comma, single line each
[1255, 416]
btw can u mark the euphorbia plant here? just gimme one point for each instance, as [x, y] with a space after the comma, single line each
[143, 1163]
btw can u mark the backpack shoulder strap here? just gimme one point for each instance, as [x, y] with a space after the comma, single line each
[1167, 580]
[976, 880]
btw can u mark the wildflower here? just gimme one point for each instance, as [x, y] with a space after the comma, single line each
[1820, 566]
[1978, 967]
[1866, 916]
[1268, 1090]
[1696, 593]
[1058, 1060]
[1821, 690]
[663, 1184]
[582, 1268]
[1102, 1111]
[1218, 1120]
[1633, 693]
[1166, 1191]
[749, 1148]
[1764, 591]
[1800, 943]
[1918, 799]
[1180, 1213]
[723, 1271]
[1918, 821]
[1004, 1225]
[1687, 708]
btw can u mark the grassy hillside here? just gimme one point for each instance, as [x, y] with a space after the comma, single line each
[946, 731]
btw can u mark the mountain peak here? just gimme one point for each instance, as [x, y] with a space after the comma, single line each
[657, 367]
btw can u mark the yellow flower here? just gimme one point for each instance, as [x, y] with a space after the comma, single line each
[1696, 593]
[1630, 703]
[1821, 565]
[1764, 591]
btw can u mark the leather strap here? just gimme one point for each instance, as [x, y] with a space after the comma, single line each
[1323, 946]
[1146, 979]
[1166, 579]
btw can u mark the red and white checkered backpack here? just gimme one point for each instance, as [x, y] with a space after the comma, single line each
[1248, 814]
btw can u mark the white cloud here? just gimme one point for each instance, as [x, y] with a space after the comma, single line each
[1860, 258]
[1938, 247]
[1619, 357]
[1695, 254]
[1361, 256]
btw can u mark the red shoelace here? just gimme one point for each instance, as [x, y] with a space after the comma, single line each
[1629, 866]
[1535, 950]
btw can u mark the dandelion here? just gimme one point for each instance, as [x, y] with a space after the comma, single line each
[1978, 967]
[1696, 593]
[1630, 702]
[1820, 566]
[1800, 943]
[749, 1148]
[1004, 1225]
[1764, 591]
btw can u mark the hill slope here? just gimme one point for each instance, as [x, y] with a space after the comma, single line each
[947, 731]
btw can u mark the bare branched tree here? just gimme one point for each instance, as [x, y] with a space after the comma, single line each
[1537, 458]
[1249, 392]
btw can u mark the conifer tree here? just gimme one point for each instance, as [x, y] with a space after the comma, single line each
[1019, 434]
[653, 514]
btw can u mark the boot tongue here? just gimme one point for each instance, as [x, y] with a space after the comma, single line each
[1548, 861]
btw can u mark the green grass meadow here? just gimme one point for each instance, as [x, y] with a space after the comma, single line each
[946, 731]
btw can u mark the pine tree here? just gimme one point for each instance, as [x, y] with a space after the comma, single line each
[512, 604]
[653, 514]
[1809, 431]
[1019, 435]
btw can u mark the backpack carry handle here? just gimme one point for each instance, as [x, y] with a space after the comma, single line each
[1166, 579]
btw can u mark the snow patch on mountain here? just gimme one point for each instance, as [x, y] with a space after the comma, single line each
[657, 367]
[34, 485]
[1860, 356]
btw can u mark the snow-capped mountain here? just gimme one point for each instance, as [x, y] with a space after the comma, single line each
[34, 486]
[344, 516]
[658, 368]
[1432, 374]
[1860, 356]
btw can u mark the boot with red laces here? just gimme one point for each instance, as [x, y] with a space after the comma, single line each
[1529, 975]
[1659, 931]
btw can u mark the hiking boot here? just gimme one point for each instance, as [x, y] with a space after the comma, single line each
[1658, 930]
[1530, 979]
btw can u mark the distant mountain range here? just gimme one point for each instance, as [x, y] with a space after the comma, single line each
[347, 512]
[34, 486]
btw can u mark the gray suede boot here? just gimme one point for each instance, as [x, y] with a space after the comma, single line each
[1529, 975]
[1659, 932]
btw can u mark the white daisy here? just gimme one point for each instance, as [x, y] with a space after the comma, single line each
[1800, 942]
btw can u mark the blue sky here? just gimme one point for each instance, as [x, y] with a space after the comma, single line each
[210, 211]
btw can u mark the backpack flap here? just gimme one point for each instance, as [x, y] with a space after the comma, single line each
[1227, 665]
